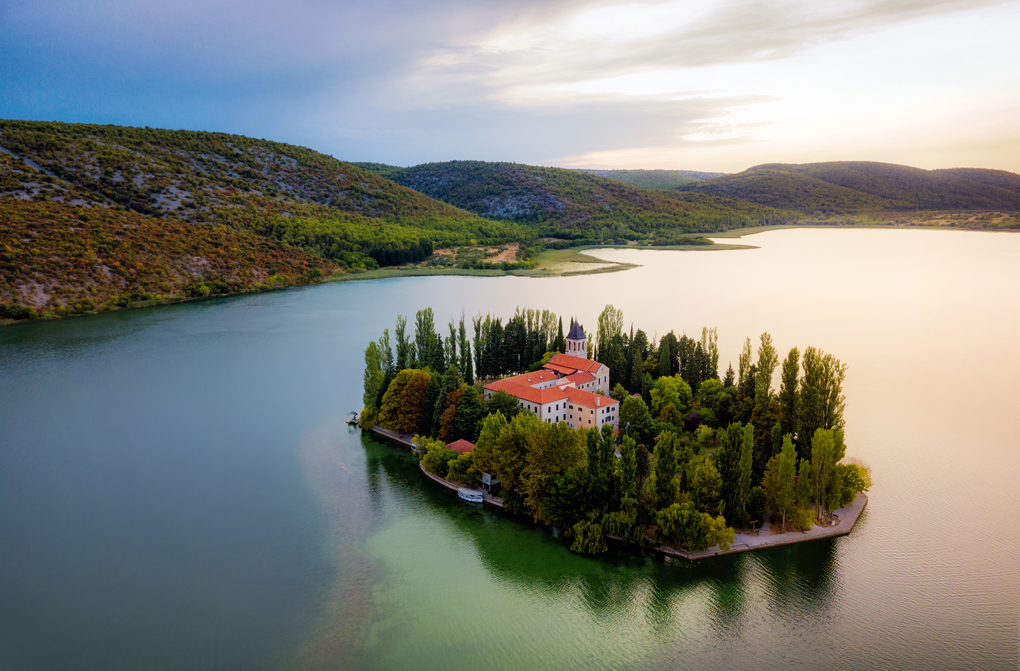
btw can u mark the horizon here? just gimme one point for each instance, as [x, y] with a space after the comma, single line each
[717, 87]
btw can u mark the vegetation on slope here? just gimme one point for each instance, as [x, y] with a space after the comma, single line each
[58, 259]
[854, 187]
[289, 193]
[655, 179]
[576, 205]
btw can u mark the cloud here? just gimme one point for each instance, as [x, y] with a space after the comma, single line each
[406, 82]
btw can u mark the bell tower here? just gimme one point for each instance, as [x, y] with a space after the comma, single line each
[577, 341]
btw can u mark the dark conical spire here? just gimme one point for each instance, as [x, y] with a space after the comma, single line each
[576, 332]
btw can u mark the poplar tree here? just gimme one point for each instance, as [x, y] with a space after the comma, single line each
[374, 377]
[665, 469]
[404, 355]
[780, 475]
[788, 392]
[466, 370]
[628, 466]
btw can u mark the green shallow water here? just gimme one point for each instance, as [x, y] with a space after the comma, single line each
[178, 488]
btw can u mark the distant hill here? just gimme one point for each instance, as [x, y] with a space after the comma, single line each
[655, 179]
[853, 187]
[574, 204]
[287, 193]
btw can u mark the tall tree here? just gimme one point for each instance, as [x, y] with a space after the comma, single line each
[551, 450]
[780, 475]
[822, 465]
[833, 402]
[404, 356]
[466, 369]
[628, 466]
[425, 338]
[665, 469]
[601, 462]
[710, 346]
[560, 344]
[767, 360]
[610, 325]
[744, 363]
[809, 411]
[706, 484]
[375, 376]
[788, 392]
[469, 413]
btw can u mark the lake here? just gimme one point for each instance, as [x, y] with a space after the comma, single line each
[178, 488]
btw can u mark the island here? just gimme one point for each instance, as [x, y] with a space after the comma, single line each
[624, 439]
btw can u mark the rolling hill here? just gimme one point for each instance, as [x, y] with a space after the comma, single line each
[102, 216]
[852, 187]
[291, 194]
[655, 179]
[575, 204]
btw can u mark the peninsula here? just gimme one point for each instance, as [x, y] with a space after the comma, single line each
[642, 442]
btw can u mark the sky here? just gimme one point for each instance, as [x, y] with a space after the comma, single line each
[714, 85]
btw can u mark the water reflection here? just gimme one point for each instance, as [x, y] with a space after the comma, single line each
[789, 582]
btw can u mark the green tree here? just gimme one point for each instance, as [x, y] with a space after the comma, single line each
[744, 363]
[854, 478]
[450, 383]
[635, 420]
[466, 369]
[804, 483]
[426, 341]
[628, 467]
[504, 403]
[670, 390]
[469, 413]
[823, 451]
[706, 485]
[665, 469]
[610, 326]
[788, 392]
[404, 355]
[779, 478]
[551, 450]
[492, 428]
[601, 450]
[374, 376]
[588, 538]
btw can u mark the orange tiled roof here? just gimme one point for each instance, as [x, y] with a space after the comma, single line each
[460, 446]
[526, 393]
[574, 362]
[581, 377]
[588, 399]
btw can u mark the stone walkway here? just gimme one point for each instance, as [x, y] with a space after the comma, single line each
[744, 542]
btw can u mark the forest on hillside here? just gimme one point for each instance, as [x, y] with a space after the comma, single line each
[577, 205]
[290, 194]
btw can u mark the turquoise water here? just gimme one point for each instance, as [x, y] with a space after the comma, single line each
[178, 488]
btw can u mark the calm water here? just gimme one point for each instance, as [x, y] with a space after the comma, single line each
[178, 489]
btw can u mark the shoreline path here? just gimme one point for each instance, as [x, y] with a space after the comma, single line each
[743, 542]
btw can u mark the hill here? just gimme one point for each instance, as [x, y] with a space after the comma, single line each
[58, 259]
[853, 187]
[287, 193]
[573, 204]
[655, 179]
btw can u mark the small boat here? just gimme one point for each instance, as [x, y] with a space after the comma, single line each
[470, 495]
[352, 418]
